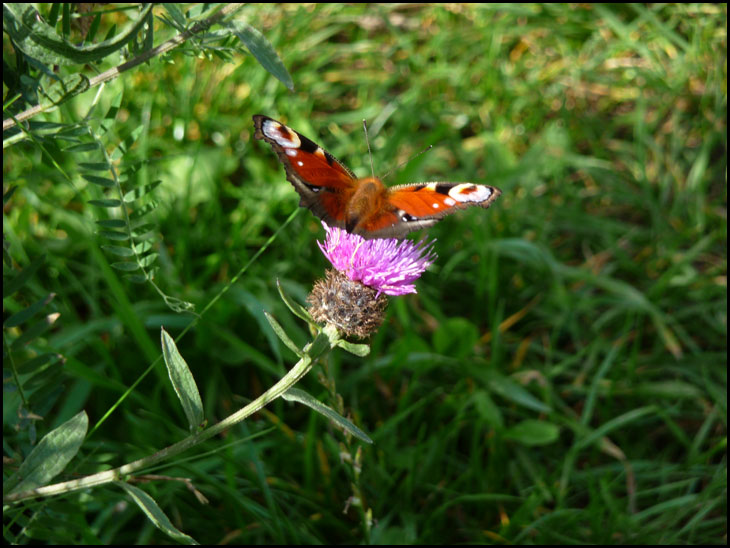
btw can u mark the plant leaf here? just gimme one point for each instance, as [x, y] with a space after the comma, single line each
[101, 181]
[118, 250]
[109, 202]
[112, 223]
[295, 308]
[261, 49]
[533, 432]
[300, 396]
[28, 312]
[182, 381]
[114, 235]
[155, 514]
[19, 281]
[509, 389]
[488, 410]
[38, 40]
[138, 192]
[282, 335]
[125, 266]
[52, 454]
[360, 350]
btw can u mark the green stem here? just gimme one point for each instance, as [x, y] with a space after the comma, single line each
[323, 343]
[143, 58]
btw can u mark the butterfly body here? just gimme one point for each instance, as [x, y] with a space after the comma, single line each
[363, 206]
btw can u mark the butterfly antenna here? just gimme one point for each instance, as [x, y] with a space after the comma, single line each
[429, 147]
[367, 140]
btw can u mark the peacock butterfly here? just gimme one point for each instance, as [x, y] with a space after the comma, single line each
[363, 206]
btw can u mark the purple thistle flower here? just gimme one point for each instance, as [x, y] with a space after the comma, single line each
[389, 265]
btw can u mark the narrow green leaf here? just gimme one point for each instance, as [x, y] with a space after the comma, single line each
[40, 41]
[282, 335]
[64, 90]
[152, 272]
[136, 278]
[177, 16]
[114, 235]
[35, 331]
[670, 390]
[37, 125]
[148, 260]
[125, 266]
[149, 33]
[28, 312]
[22, 278]
[112, 223]
[262, 50]
[616, 422]
[123, 147]
[66, 20]
[110, 202]
[155, 514]
[93, 28]
[130, 170]
[72, 131]
[509, 389]
[44, 69]
[111, 114]
[111, 32]
[82, 147]
[52, 454]
[53, 14]
[178, 305]
[67, 138]
[182, 381]
[488, 410]
[142, 247]
[94, 166]
[144, 230]
[360, 350]
[114, 107]
[300, 396]
[532, 432]
[118, 250]
[295, 308]
[147, 236]
[142, 211]
[8, 194]
[101, 181]
[38, 363]
[138, 192]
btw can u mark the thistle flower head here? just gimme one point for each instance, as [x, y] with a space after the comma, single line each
[352, 296]
[389, 266]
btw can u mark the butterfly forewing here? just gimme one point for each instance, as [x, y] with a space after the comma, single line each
[323, 183]
[302, 156]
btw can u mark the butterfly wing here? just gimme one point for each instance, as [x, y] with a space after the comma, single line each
[416, 206]
[363, 206]
[323, 183]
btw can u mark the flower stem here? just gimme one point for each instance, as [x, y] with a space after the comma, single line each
[323, 343]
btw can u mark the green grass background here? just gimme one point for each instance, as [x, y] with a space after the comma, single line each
[561, 375]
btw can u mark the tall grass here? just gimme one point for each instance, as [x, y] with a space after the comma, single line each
[561, 375]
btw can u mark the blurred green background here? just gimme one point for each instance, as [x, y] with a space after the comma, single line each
[561, 375]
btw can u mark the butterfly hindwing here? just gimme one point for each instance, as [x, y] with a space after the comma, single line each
[416, 206]
[435, 200]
